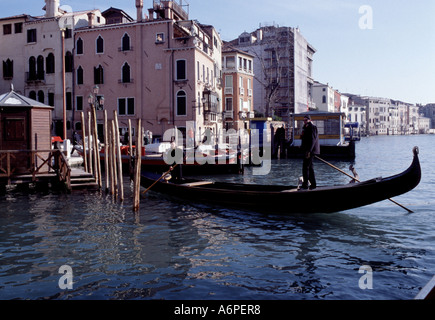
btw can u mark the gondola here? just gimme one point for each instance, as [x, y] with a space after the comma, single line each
[282, 199]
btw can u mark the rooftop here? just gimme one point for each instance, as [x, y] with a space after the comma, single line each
[13, 99]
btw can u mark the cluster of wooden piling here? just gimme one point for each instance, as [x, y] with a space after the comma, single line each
[114, 183]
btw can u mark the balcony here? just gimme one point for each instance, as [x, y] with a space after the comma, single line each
[211, 102]
[32, 77]
[229, 114]
[179, 7]
[228, 90]
[125, 49]
[125, 81]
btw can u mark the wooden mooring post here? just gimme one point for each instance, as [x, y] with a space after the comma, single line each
[112, 155]
[90, 167]
[96, 148]
[85, 158]
[106, 150]
[130, 149]
[118, 158]
[113, 171]
[137, 166]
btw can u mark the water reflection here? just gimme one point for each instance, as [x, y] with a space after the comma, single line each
[177, 250]
[100, 239]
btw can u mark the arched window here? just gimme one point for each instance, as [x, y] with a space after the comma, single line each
[32, 69]
[99, 75]
[41, 96]
[68, 62]
[50, 65]
[79, 46]
[100, 45]
[80, 75]
[32, 95]
[40, 68]
[126, 73]
[181, 103]
[125, 43]
[8, 69]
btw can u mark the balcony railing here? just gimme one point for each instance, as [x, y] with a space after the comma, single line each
[34, 77]
[126, 81]
[181, 7]
[228, 90]
[125, 49]
[229, 114]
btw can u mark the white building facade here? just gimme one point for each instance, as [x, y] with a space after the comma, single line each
[285, 57]
[38, 58]
[323, 97]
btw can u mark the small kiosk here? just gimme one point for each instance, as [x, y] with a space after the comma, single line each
[25, 126]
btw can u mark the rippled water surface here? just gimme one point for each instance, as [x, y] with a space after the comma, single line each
[176, 250]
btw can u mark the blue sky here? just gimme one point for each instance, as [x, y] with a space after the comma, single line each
[393, 59]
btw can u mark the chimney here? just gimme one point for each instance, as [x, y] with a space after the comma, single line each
[139, 7]
[260, 35]
[51, 8]
[91, 16]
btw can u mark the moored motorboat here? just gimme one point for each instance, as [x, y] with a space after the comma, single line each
[287, 199]
[198, 161]
[331, 126]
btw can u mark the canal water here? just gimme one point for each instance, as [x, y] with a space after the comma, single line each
[175, 250]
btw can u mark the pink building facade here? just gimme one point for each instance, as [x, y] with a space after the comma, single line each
[161, 68]
[238, 77]
[36, 56]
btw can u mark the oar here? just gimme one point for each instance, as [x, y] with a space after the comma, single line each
[163, 175]
[331, 165]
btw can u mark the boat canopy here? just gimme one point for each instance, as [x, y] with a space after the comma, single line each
[352, 125]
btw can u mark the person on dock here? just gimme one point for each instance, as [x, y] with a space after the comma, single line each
[76, 141]
[279, 142]
[310, 147]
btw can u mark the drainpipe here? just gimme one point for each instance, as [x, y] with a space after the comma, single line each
[73, 95]
[172, 76]
[63, 83]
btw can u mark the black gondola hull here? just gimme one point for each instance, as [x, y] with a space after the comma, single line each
[287, 199]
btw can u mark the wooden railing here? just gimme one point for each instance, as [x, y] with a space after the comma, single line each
[35, 163]
[63, 168]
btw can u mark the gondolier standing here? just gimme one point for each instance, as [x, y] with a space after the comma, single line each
[310, 147]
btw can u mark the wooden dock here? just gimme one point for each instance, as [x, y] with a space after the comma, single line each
[43, 167]
[81, 179]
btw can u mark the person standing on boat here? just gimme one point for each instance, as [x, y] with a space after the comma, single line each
[310, 147]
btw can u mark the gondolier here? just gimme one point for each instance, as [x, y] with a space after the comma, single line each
[310, 147]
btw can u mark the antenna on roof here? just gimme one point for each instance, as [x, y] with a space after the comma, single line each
[12, 87]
